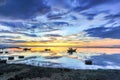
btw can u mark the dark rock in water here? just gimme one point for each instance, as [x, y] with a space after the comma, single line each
[20, 56]
[10, 58]
[3, 61]
[88, 62]
[1, 52]
[6, 52]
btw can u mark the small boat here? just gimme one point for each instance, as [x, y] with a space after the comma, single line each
[26, 49]
[20, 57]
[71, 51]
[11, 58]
[47, 50]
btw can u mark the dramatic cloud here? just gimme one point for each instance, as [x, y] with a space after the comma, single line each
[59, 20]
[23, 9]
[103, 32]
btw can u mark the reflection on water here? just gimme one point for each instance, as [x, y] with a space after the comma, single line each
[64, 49]
[60, 51]
[58, 57]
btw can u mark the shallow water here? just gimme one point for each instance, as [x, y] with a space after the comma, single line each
[64, 50]
[102, 58]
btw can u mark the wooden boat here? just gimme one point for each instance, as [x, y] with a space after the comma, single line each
[71, 51]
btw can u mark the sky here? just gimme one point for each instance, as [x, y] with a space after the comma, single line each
[60, 23]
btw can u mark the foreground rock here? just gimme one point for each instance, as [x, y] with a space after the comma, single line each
[25, 72]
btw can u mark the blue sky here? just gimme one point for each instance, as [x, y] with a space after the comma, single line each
[57, 20]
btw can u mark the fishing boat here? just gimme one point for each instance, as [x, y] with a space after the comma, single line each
[71, 51]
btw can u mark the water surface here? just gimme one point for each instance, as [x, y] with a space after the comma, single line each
[102, 58]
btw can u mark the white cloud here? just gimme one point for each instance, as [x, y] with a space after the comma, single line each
[2, 27]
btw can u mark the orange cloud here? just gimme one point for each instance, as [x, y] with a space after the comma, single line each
[77, 43]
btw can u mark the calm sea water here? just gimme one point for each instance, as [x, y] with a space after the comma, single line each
[59, 52]
[104, 58]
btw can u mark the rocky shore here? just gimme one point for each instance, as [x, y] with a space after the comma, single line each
[26, 72]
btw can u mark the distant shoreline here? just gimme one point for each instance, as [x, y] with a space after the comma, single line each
[59, 46]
